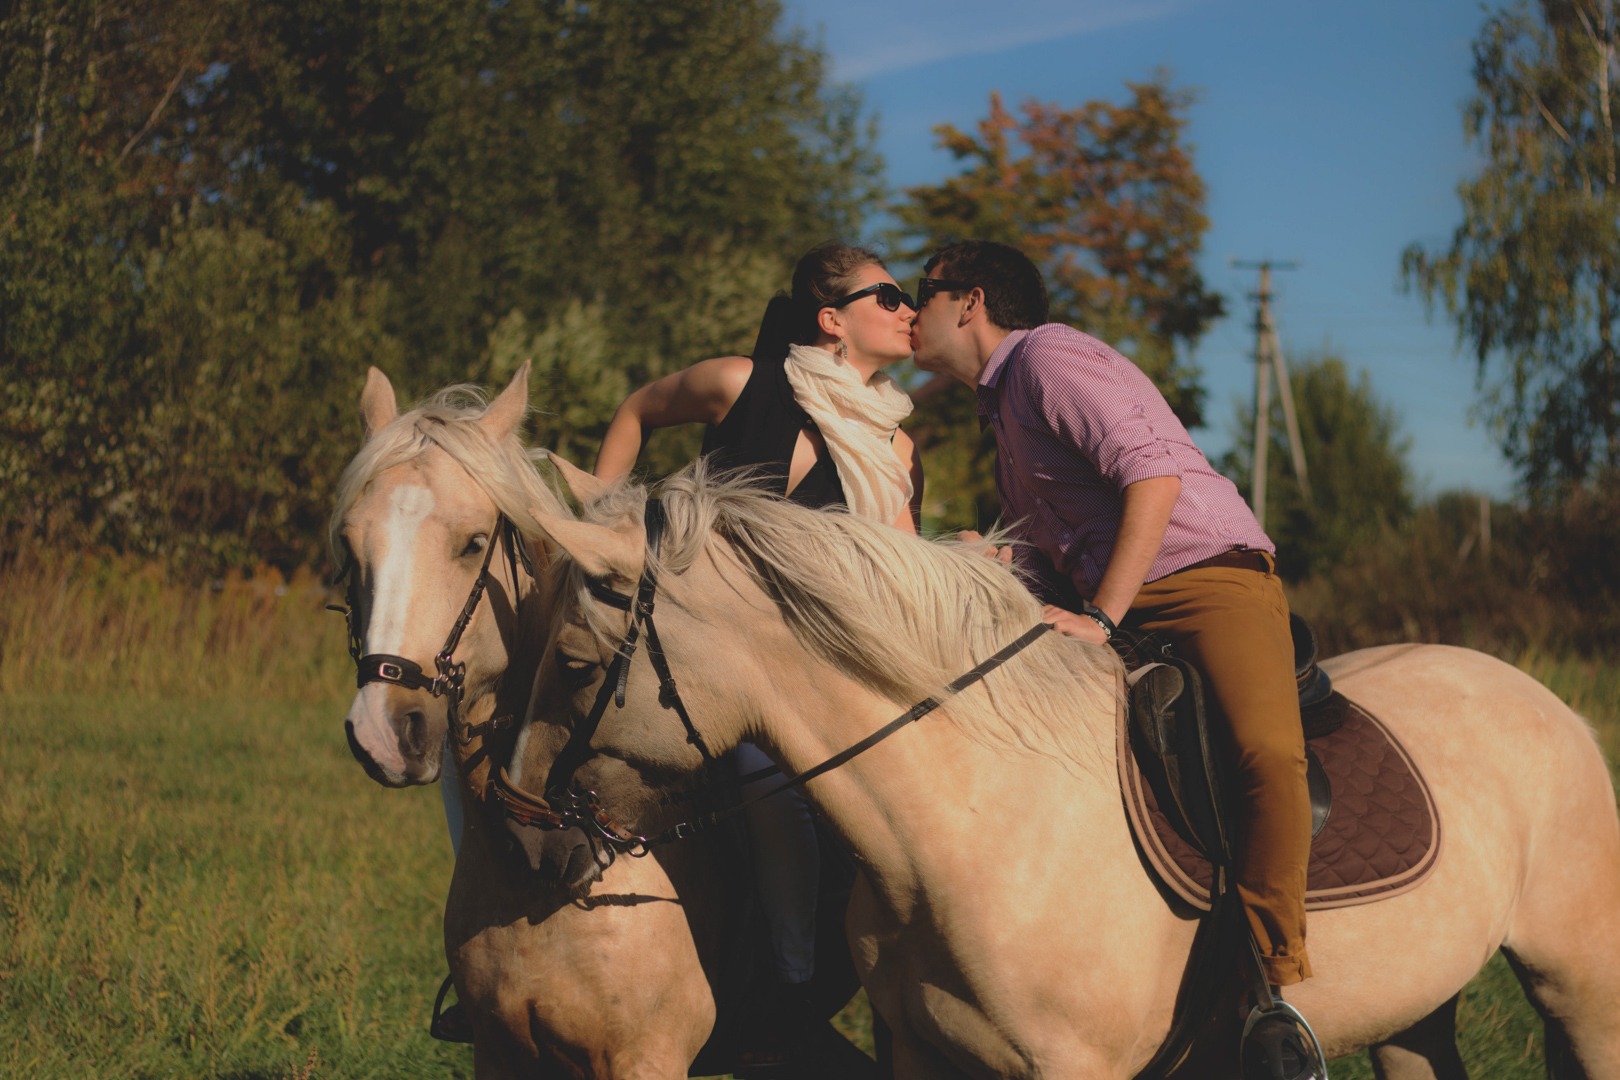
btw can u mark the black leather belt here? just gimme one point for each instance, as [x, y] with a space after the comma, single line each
[1236, 559]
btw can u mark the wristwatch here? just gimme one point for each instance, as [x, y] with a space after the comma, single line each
[1100, 617]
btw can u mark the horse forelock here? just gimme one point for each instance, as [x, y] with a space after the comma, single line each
[899, 614]
[449, 421]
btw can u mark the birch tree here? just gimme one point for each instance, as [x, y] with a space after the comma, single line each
[1531, 274]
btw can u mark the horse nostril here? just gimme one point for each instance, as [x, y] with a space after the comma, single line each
[413, 731]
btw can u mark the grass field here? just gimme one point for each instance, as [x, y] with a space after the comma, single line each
[212, 888]
[212, 891]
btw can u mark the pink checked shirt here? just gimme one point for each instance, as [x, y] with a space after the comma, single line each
[1076, 423]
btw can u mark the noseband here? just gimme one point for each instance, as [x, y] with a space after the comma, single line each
[565, 805]
[450, 681]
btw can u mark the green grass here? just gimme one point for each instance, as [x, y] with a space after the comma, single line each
[212, 890]
[195, 888]
[1499, 1033]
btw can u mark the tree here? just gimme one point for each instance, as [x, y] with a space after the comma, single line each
[1106, 199]
[1532, 273]
[1360, 484]
[214, 214]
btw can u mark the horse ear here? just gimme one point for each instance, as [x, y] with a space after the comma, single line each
[378, 406]
[584, 486]
[506, 412]
[601, 551]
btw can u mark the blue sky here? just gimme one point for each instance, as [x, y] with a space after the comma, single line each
[1328, 134]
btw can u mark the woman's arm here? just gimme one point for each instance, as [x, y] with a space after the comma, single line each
[700, 394]
[910, 519]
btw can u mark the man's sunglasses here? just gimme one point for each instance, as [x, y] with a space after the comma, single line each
[889, 297]
[927, 287]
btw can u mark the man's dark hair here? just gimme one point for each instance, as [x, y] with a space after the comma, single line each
[1014, 293]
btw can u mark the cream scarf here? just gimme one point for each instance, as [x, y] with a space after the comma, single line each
[858, 422]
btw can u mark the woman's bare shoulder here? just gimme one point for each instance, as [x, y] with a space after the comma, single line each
[720, 377]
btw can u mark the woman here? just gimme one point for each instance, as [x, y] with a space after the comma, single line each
[811, 412]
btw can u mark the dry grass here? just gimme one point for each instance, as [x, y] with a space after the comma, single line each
[115, 625]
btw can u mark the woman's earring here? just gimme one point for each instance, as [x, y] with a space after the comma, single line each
[842, 351]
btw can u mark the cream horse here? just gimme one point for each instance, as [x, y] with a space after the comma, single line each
[1010, 929]
[541, 975]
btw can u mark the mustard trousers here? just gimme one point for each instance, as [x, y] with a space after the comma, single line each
[1233, 624]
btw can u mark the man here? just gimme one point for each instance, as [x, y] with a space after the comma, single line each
[1125, 522]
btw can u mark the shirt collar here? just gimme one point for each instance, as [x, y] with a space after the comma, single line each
[998, 359]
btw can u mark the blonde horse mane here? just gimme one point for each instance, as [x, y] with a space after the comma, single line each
[449, 420]
[900, 614]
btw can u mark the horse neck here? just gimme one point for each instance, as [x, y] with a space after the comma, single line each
[930, 798]
[509, 694]
[928, 795]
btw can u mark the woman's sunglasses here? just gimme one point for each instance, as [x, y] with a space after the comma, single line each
[889, 297]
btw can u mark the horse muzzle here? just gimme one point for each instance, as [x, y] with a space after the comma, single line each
[396, 736]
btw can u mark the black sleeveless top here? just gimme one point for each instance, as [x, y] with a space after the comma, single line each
[759, 433]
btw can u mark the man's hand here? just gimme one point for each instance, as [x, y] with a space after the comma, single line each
[1070, 624]
[1000, 554]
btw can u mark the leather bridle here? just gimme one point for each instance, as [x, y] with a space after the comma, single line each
[565, 805]
[450, 680]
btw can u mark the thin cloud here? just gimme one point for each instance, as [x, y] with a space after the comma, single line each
[958, 30]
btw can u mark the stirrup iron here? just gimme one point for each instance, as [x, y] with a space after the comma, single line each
[1280, 1032]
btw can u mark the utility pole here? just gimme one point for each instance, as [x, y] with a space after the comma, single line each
[1268, 359]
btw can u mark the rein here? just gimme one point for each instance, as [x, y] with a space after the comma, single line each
[565, 806]
[449, 682]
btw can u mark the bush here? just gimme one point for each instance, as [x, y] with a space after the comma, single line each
[1542, 577]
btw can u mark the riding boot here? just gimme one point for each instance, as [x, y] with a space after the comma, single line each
[781, 1022]
[1279, 1045]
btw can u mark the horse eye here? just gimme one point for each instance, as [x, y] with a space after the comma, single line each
[476, 545]
[576, 672]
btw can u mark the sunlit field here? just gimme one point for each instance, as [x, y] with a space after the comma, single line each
[196, 885]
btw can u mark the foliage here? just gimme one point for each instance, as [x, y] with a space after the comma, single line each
[1106, 199]
[218, 214]
[960, 487]
[1466, 571]
[1532, 275]
[1355, 459]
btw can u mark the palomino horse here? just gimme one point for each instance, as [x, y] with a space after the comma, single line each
[1010, 929]
[608, 987]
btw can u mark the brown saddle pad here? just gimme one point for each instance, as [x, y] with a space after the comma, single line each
[1381, 838]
